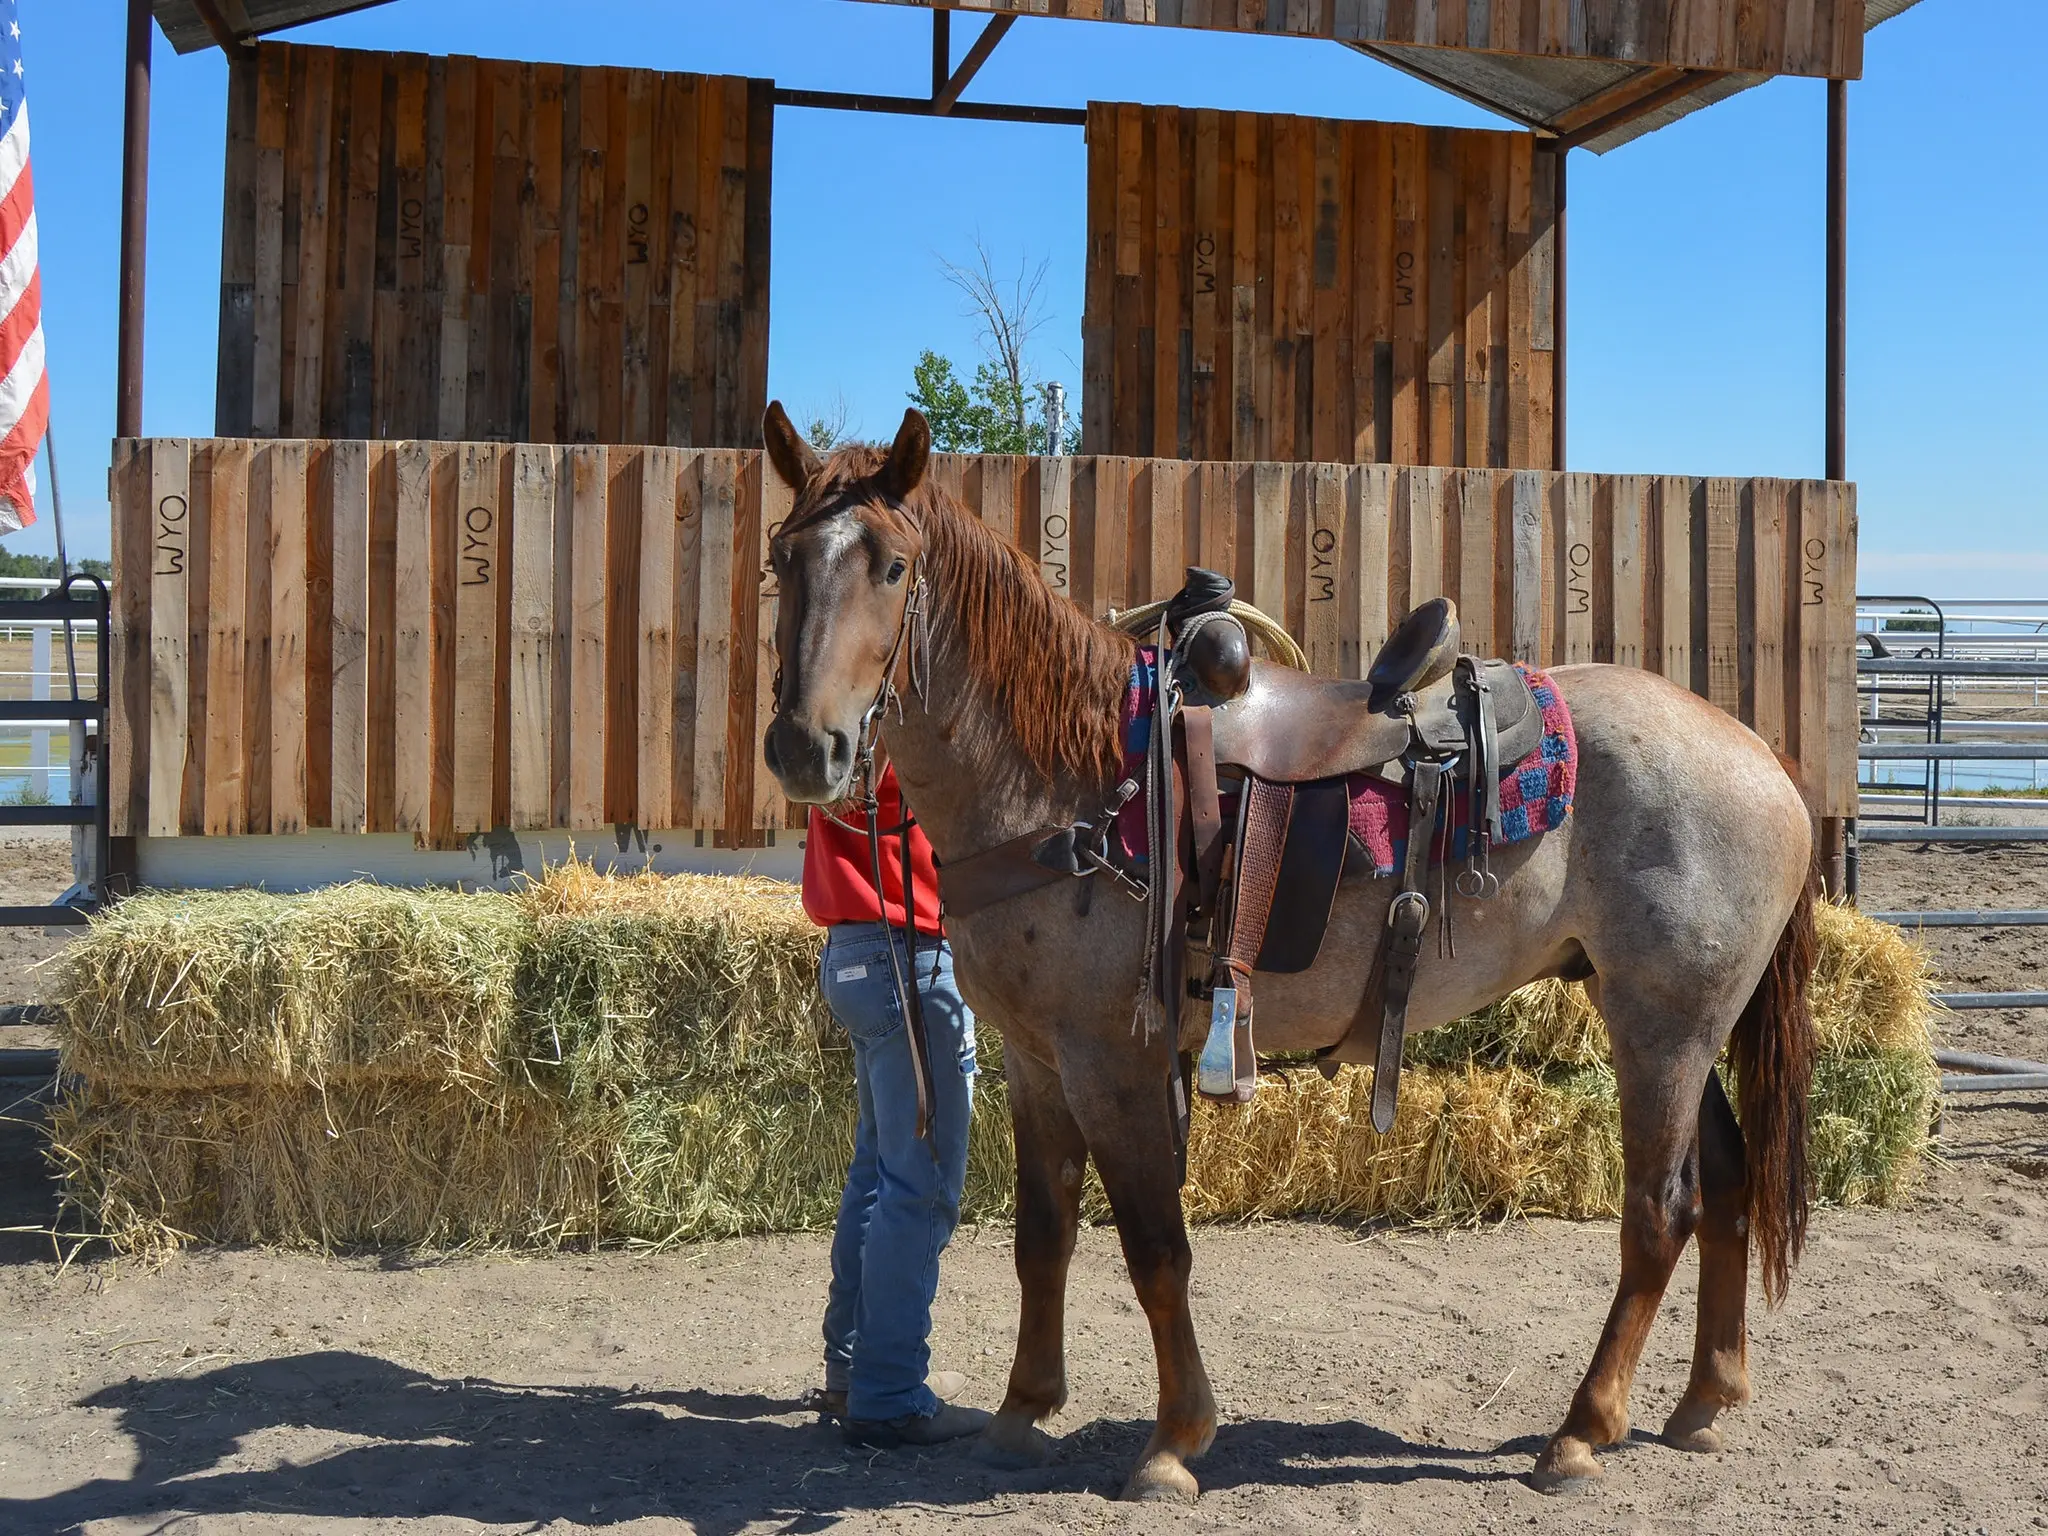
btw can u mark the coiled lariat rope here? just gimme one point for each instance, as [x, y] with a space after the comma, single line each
[1272, 637]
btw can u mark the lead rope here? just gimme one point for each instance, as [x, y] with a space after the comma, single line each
[903, 968]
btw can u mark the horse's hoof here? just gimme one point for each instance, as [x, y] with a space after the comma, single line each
[1162, 1480]
[1691, 1428]
[1705, 1441]
[1011, 1446]
[1566, 1467]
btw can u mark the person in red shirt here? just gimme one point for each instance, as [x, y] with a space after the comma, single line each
[902, 1197]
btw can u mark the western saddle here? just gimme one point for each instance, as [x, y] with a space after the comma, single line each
[1286, 743]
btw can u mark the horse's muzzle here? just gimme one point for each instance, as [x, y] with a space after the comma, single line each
[813, 765]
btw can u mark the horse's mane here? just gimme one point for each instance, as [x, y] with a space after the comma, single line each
[1056, 676]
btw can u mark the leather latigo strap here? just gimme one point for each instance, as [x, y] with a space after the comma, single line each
[1262, 838]
[1205, 817]
[1406, 920]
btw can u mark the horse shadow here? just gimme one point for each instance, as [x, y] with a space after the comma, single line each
[340, 1434]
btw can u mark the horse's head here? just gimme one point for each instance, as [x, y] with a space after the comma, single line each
[847, 563]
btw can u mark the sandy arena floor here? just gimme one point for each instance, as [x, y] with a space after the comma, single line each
[1394, 1382]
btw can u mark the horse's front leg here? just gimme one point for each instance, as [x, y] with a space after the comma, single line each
[1051, 1159]
[1119, 1096]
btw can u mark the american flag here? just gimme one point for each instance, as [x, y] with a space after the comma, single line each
[24, 385]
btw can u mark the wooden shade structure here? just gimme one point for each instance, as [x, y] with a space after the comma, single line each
[319, 653]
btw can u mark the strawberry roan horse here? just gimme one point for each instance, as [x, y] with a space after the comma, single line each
[1680, 891]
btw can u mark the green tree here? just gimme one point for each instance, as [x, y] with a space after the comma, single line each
[991, 415]
[1000, 411]
[44, 566]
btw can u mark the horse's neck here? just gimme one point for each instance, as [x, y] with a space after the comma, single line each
[963, 773]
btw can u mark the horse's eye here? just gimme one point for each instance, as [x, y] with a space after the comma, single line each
[895, 575]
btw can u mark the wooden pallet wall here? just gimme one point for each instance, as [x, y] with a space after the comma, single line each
[1263, 287]
[1790, 37]
[474, 249]
[446, 638]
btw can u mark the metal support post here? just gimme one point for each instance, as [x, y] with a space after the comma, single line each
[134, 222]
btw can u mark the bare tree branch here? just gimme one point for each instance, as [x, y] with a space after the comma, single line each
[1011, 311]
[827, 424]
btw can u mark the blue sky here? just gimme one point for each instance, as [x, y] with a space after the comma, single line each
[1695, 258]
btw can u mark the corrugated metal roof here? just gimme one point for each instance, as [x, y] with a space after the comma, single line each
[1537, 92]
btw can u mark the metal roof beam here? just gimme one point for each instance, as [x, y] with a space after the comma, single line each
[944, 98]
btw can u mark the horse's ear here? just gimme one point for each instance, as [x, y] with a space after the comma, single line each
[903, 471]
[794, 459]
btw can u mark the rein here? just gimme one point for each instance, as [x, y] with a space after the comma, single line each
[913, 633]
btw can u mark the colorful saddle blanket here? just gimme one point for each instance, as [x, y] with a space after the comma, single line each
[1535, 795]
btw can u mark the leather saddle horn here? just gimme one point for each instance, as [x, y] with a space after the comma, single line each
[1422, 650]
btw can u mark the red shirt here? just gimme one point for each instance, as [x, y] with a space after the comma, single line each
[839, 883]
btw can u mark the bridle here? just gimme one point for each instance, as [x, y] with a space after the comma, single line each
[913, 636]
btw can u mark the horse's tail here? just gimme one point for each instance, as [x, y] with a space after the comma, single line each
[1773, 1052]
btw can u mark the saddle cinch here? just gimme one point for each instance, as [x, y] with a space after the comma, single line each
[1282, 744]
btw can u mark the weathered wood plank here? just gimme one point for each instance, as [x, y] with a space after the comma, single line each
[717, 519]
[1526, 527]
[1267, 567]
[1628, 521]
[412, 724]
[660, 472]
[479, 581]
[770, 810]
[586, 470]
[289, 467]
[1726, 35]
[535, 497]
[1672, 590]
[1763, 623]
[226, 807]
[1839, 783]
[1375, 489]
[1723, 630]
[1324, 552]
[191, 800]
[348, 468]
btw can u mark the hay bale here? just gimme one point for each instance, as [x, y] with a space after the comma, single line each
[644, 981]
[243, 988]
[378, 1164]
[1469, 1143]
[649, 1060]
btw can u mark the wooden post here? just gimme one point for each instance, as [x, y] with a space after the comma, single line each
[134, 223]
[1838, 839]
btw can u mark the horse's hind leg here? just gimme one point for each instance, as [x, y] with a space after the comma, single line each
[1051, 1159]
[1720, 1359]
[1660, 1090]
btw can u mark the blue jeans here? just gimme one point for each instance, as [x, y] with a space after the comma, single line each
[902, 1197]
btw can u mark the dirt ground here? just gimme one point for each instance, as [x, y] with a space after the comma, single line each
[1369, 1380]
